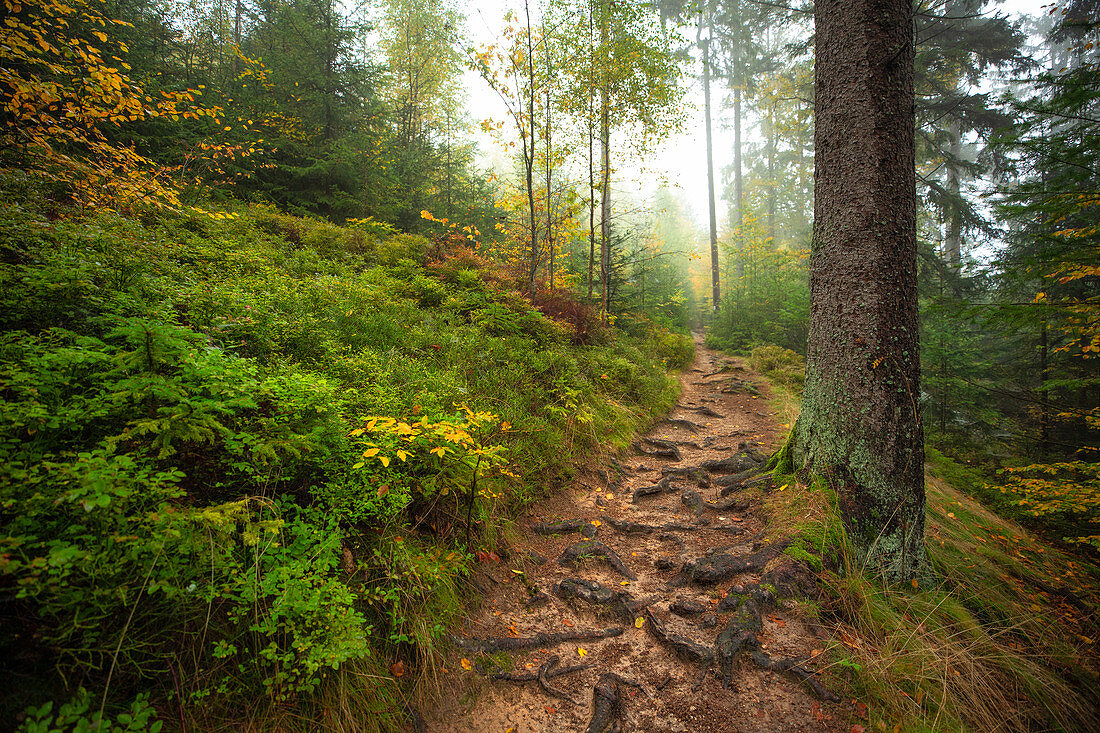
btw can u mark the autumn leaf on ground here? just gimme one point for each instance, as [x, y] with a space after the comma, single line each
[639, 622]
[397, 669]
[566, 622]
[581, 651]
[467, 664]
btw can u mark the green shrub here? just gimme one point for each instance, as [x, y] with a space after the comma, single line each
[780, 366]
[186, 507]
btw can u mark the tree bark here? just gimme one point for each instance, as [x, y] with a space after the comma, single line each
[605, 199]
[529, 156]
[953, 236]
[738, 183]
[860, 426]
[714, 283]
[549, 160]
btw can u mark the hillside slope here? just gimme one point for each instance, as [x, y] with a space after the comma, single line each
[252, 456]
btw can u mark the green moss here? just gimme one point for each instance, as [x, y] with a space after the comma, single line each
[798, 551]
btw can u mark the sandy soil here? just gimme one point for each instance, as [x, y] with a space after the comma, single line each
[757, 700]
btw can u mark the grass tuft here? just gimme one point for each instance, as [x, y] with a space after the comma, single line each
[1001, 636]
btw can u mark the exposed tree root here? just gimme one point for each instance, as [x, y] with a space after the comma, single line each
[660, 487]
[544, 682]
[704, 410]
[569, 525]
[607, 704]
[735, 385]
[739, 633]
[685, 424]
[758, 594]
[618, 602]
[682, 647]
[495, 644]
[794, 666]
[736, 481]
[696, 473]
[686, 607]
[627, 527]
[732, 504]
[734, 464]
[658, 448]
[693, 500]
[719, 566]
[595, 548]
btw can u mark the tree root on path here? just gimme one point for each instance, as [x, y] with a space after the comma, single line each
[628, 527]
[595, 548]
[693, 500]
[719, 566]
[794, 666]
[569, 525]
[494, 644]
[682, 647]
[696, 473]
[741, 633]
[544, 682]
[607, 702]
[703, 410]
[658, 448]
[739, 463]
[732, 504]
[660, 487]
[618, 602]
[607, 706]
[685, 424]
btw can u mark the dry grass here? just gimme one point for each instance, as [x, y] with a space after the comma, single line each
[1001, 636]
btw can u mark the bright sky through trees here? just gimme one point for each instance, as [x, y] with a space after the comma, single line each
[681, 159]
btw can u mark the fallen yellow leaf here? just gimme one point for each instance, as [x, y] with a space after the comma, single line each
[581, 651]
[639, 622]
[596, 523]
[467, 664]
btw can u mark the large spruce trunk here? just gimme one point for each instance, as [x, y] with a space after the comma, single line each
[860, 426]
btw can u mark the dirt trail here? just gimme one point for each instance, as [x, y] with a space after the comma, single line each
[668, 662]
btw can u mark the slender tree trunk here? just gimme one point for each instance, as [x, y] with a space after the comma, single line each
[530, 155]
[714, 284]
[591, 173]
[1044, 409]
[549, 163]
[771, 174]
[953, 235]
[237, 12]
[860, 426]
[605, 165]
[738, 184]
[605, 197]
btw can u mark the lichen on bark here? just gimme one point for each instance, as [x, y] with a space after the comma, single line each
[860, 425]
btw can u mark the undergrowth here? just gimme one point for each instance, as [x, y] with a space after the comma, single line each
[253, 457]
[1002, 634]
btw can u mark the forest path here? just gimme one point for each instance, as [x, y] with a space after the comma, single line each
[687, 592]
